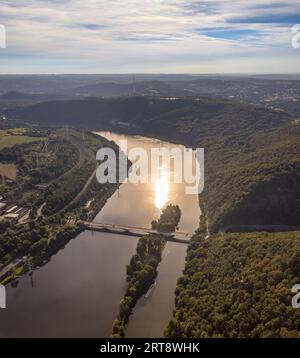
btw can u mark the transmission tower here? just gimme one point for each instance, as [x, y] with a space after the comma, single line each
[45, 149]
[37, 159]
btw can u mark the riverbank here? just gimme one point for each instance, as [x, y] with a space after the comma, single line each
[55, 231]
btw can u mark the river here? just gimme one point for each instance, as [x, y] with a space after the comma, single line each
[77, 293]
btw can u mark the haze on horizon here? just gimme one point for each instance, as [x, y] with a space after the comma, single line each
[149, 36]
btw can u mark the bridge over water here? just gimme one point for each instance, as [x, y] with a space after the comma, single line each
[178, 236]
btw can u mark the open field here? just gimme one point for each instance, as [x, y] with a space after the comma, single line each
[9, 171]
[11, 137]
[11, 140]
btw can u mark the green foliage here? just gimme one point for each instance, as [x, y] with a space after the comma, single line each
[39, 247]
[141, 273]
[238, 285]
[61, 157]
[43, 237]
[61, 193]
[11, 140]
[256, 183]
[169, 219]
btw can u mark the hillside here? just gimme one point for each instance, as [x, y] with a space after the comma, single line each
[186, 114]
[257, 182]
[247, 294]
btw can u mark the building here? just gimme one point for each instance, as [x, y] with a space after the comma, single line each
[12, 209]
[11, 217]
[15, 213]
[2, 207]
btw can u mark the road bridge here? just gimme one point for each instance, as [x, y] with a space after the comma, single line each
[177, 236]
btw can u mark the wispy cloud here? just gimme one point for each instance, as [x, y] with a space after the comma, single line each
[149, 36]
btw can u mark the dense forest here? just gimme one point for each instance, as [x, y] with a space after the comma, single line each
[239, 285]
[168, 220]
[215, 115]
[257, 183]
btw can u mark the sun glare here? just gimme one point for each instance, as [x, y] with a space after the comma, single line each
[161, 191]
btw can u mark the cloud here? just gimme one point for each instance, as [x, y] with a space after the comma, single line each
[92, 27]
[138, 36]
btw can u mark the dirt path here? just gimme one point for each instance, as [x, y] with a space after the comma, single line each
[85, 155]
[78, 196]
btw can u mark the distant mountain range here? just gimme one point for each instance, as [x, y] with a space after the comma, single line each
[267, 91]
[35, 97]
[150, 88]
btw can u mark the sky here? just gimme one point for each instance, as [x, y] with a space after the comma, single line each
[149, 36]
